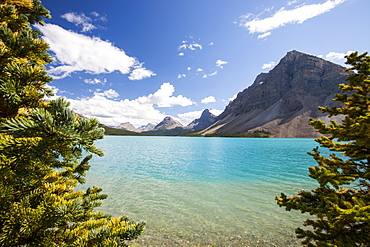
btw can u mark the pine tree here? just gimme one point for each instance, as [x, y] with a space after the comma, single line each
[45, 149]
[22, 56]
[341, 203]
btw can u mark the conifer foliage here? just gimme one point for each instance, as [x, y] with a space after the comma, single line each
[45, 149]
[341, 203]
[22, 56]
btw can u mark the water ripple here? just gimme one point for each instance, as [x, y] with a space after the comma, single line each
[200, 191]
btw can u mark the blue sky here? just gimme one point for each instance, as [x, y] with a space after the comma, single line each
[138, 61]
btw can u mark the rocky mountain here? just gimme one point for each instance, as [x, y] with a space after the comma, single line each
[147, 127]
[283, 100]
[205, 120]
[127, 126]
[168, 123]
[169, 127]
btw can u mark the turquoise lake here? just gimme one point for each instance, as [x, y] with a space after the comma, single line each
[195, 191]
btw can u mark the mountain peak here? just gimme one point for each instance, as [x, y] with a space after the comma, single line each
[295, 52]
[205, 120]
[147, 127]
[282, 100]
[294, 56]
[206, 113]
[168, 123]
[127, 126]
[168, 118]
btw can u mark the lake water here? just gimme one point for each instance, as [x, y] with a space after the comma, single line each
[195, 191]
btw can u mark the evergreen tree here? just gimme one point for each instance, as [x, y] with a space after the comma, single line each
[22, 56]
[341, 203]
[45, 149]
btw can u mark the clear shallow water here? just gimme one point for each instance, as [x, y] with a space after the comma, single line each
[204, 191]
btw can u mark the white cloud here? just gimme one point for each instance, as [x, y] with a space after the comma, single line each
[140, 111]
[216, 112]
[209, 99]
[110, 94]
[163, 97]
[84, 21]
[211, 43]
[179, 76]
[199, 70]
[234, 97]
[95, 81]
[283, 17]
[188, 117]
[220, 63]
[181, 54]
[76, 52]
[98, 16]
[208, 75]
[113, 113]
[140, 73]
[262, 36]
[268, 65]
[192, 46]
[292, 2]
[337, 57]
[189, 68]
[79, 20]
[184, 46]
[212, 74]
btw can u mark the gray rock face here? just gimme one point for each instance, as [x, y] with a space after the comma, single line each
[283, 100]
[168, 123]
[127, 126]
[205, 120]
[147, 127]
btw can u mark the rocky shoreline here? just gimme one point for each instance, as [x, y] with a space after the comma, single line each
[157, 238]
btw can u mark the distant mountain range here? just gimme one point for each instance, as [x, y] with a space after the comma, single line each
[170, 126]
[279, 102]
[128, 126]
